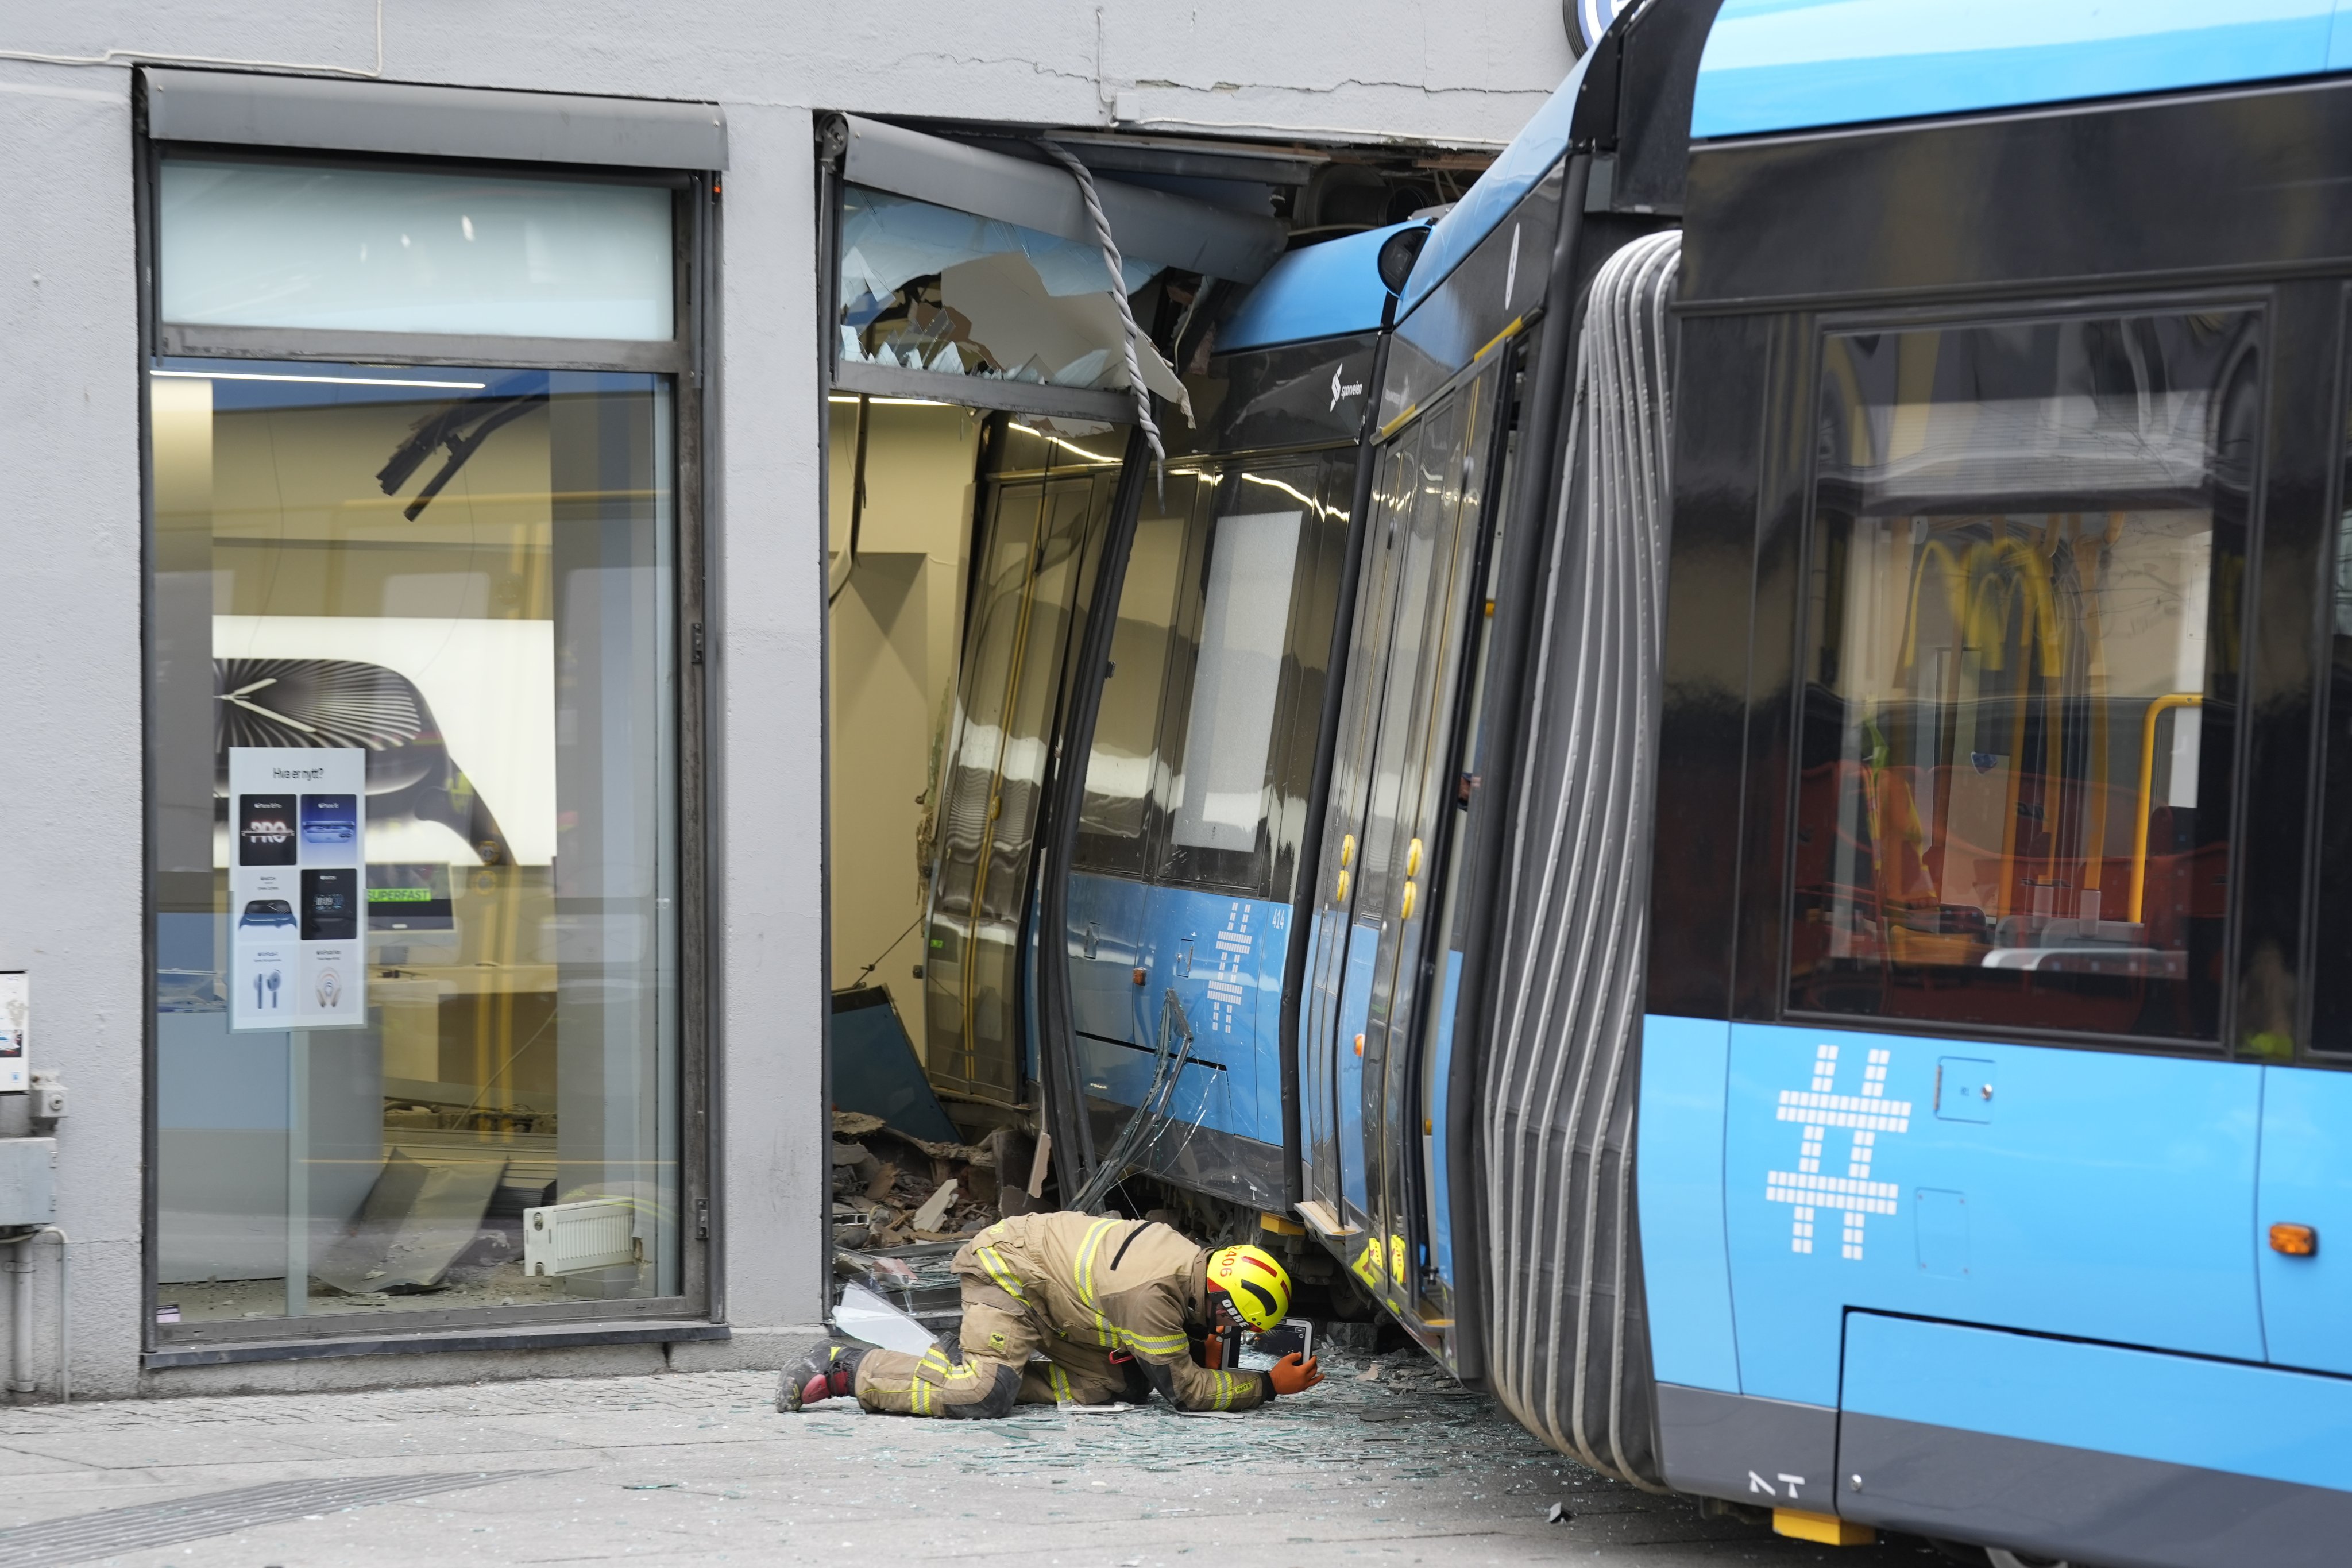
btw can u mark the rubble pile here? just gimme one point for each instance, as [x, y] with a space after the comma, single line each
[891, 1189]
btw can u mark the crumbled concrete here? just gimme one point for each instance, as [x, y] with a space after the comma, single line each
[698, 1468]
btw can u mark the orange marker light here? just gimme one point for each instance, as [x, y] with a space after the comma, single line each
[2295, 1240]
[1360, 1045]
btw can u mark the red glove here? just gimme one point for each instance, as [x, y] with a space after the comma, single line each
[1294, 1373]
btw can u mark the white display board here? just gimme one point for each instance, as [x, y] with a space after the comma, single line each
[298, 887]
[16, 1030]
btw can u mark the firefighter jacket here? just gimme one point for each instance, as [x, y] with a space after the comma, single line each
[1124, 1285]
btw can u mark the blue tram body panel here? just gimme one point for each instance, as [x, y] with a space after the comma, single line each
[2090, 1194]
[1110, 942]
[1331, 289]
[1793, 65]
[1222, 955]
[1498, 190]
[1685, 1266]
[2307, 1179]
[2167, 1409]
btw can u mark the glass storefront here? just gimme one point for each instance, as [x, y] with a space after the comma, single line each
[414, 750]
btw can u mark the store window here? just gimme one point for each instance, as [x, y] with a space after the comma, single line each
[415, 762]
[2027, 559]
[251, 244]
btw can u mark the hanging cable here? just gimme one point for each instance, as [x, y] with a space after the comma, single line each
[884, 954]
[1118, 266]
[857, 508]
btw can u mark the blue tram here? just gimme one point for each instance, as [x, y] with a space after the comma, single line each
[1738, 752]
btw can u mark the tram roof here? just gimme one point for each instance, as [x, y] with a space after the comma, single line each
[1324, 290]
[1793, 65]
[1532, 154]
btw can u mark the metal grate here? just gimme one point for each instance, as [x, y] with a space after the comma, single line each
[121, 1530]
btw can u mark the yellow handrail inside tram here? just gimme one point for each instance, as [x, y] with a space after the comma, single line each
[2156, 710]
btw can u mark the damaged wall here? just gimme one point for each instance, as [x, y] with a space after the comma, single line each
[897, 624]
[71, 437]
[1470, 72]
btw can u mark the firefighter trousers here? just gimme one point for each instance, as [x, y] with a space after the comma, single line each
[988, 1370]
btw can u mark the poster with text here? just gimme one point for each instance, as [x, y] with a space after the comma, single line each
[298, 830]
[15, 1025]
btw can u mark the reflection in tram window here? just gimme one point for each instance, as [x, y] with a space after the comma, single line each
[1038, 530]
[1250, 653]
[2016, 755]
[1236, 676]
[1123, 768]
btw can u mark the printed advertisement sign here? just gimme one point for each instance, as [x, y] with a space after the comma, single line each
[15, 1024]
[298, 828]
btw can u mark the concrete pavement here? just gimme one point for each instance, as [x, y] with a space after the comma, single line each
[700, 1467]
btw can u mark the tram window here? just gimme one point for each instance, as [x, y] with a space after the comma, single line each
[1236, 678]
[2331, 1017]
[1322, 559]
[1123, 770]
[1240, 686]
[2012, 807]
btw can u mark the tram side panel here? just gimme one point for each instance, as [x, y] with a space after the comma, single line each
[1960, 1137]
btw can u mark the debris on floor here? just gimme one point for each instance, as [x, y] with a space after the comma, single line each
[891, 1188]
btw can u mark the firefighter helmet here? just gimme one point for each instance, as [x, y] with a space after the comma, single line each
[1258, 1286]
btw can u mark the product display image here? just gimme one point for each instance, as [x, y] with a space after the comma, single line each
[266, 830]
[331, 824]
[295, 888]
[330, 906]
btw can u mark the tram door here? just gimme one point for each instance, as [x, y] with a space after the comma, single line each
[1188, 838]
[1034, 535]
[1330, 1064]
[1393, 795]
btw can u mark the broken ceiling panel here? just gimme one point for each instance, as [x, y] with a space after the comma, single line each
[926, 288]
[1073, 340]
[1178, 231]
[887, 240]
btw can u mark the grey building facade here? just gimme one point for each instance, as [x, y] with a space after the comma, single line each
[416, 593]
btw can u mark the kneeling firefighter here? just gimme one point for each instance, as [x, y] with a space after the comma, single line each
[1114, 1305]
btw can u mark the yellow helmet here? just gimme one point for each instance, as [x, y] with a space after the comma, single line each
[1254, 1282]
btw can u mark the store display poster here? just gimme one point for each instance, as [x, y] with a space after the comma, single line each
[295, 951]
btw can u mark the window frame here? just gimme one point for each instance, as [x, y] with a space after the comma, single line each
[1803, 380]
[1221, 496]
[684, 359]
[2336, 537]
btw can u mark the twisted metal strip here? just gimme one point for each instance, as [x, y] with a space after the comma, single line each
[1118, 266]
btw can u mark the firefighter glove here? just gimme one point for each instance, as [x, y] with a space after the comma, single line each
[1294, 1373]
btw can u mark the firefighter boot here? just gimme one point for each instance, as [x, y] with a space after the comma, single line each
[820, 1374]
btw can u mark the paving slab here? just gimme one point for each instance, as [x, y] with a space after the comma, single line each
[698, 1468]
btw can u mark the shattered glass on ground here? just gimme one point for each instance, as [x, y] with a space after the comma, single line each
[1386, 1460]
